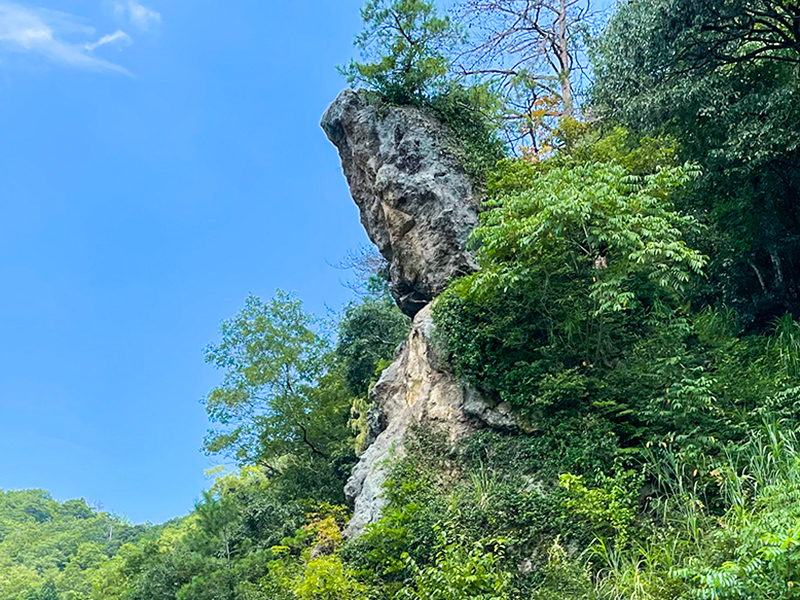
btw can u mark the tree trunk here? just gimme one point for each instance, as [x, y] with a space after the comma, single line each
[564, 61]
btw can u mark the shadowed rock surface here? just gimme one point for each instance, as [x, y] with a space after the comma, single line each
[417, 203]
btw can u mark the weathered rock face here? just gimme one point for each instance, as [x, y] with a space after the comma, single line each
[412, 390]
[417, 203]
[415, 389]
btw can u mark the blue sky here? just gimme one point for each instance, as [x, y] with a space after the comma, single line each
[160, 160]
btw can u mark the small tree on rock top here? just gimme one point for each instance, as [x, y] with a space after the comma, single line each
[405, 45]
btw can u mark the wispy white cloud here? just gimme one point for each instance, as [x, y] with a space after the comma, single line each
[41, 31]
[140, 15]
[118, 37]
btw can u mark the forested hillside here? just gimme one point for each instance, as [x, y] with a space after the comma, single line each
[47, 546]
[633, 305]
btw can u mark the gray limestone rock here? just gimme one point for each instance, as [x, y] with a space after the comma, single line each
[417, 202]
[499, 416]
[413, 389]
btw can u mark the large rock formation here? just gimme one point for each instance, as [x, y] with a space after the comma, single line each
[417, 202]
[419, 207]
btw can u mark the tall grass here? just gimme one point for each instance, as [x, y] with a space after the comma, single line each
[749, 550]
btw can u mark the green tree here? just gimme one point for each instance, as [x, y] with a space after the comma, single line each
[46, 592]
[606, 224]
[721, 78]
[278, 396]
[370, 331]
[573, 257]
[218, 552]
[405, 45]
[51, 550]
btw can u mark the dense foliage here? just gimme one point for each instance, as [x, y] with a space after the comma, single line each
[722, 77]
[636, 308]
[407, 44]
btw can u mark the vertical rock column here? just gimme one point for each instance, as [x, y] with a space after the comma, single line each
[418, 207]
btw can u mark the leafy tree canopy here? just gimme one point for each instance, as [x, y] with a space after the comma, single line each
[370, 331]
[406, 46]
[272, 401]
[722, 78]
[600, 220]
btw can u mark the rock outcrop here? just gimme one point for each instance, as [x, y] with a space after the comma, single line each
[417, 388]
[418, 206]
[413, 389]
[417, 202]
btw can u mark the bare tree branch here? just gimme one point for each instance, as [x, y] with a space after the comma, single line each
[532, 50]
